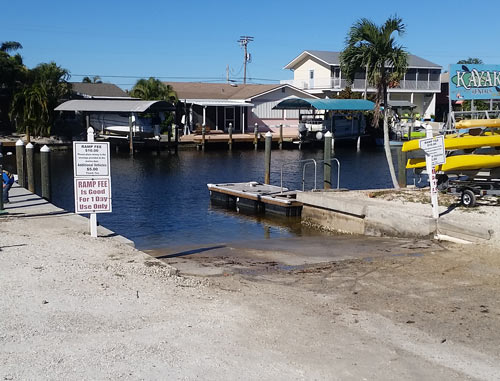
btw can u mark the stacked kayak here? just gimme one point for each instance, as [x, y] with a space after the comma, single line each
[455, 162]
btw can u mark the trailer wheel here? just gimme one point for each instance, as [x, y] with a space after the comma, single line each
[468, 198]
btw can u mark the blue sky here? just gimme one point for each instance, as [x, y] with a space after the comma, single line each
[196, 40]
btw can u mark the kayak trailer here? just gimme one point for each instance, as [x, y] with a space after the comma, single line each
[471, 189]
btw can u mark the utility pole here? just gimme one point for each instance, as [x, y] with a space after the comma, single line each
[244, 40]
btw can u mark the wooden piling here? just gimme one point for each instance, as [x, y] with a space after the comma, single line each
[20, 163]
[130, 135]
[176, 147]
[402, 157]
[203, 132]
[30, 166]
[255, 136]
[281, 137]
[267, 175]
[327, 165]
[45, 172]
[230, 141]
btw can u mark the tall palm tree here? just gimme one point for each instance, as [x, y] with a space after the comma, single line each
[30, 110]
[94, 79]
[372, 48]
[9, 46]
[153, 89]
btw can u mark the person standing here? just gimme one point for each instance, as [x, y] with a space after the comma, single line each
[7, 180]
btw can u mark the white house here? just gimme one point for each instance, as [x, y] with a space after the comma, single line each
[318, 72]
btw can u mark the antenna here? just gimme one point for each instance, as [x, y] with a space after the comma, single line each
[244, 40]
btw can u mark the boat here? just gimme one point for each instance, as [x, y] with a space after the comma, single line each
[462, 142]
[459, 162]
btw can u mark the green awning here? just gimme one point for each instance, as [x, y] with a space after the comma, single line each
[325, 104]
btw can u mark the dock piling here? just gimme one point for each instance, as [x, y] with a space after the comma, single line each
[402, 157]
[267, 175]
[176, 147]
[203, 132]
[45, 172]
[230, 142]
[30, 166]
[327, 166]
[130, 136]
[281, 136]
[20, 163]
[256, 136]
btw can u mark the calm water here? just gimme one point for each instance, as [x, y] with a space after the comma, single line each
[162, 200]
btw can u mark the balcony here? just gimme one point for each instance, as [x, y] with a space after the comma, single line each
[337, 84]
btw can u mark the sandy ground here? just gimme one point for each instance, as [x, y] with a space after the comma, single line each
[74, 307]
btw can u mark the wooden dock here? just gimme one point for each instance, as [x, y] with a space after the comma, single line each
[238, 138]
[256, 197]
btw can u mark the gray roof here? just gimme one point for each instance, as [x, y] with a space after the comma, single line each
[332, 58]
[97, 90]
[114, 105]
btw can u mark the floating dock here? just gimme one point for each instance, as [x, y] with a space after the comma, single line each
[256, 197]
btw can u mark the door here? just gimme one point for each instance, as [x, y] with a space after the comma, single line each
[229, 118]
[311, 79]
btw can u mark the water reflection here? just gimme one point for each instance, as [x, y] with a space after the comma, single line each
[162, 200]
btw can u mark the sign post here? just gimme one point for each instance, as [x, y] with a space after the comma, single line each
[434, 155]
[92, 178]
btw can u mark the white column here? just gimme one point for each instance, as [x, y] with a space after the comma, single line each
[216, 117]
[204, 115]
[243, 119]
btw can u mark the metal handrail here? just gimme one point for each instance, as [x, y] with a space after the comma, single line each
[295, 162]
[308, 162]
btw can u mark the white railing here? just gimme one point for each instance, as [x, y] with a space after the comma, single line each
[358, 85]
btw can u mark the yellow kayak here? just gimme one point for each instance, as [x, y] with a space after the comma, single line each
[460, 162]
[464, 142]
[478, 123]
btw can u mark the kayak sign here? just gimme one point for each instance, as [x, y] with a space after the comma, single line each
[91, 159]
[93, 195]
[474, 81]
[434, 149]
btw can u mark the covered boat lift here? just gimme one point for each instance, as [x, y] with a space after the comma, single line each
[132, 107]
[313, 128]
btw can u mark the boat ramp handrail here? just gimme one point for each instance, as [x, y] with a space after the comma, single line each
[308, 162]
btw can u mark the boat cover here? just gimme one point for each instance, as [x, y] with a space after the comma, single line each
[325, 104]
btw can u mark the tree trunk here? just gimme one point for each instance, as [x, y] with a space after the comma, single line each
[387, 146]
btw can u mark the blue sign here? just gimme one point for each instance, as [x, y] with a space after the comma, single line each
[471, 81]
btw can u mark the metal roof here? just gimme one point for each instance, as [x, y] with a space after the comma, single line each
[217, 102]
[113, 105]
[325, 104]
[407, 104]
[332, 58]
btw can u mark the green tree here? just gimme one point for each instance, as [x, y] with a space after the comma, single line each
[373, 48]
[47, 84]
[153, 89]
[94, 79]
[470, 60]
[12, 76]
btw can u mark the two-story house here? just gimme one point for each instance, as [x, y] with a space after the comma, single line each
[318, 72]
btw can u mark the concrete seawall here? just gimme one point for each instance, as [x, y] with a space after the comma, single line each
[355, 212]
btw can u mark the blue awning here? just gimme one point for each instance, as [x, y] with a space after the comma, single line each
[325, 104]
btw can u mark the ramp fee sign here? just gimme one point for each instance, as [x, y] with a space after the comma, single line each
[91, 159]
[93, 195]
[434, 148]
[92, 177]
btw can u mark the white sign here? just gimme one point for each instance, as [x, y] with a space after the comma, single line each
[93, 195]
[434, 147]
[91, 159]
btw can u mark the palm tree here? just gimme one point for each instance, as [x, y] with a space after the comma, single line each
[153, 89]
[95, 79]
[372, 48]
[9, 46]
[33, 104]
[30, 110]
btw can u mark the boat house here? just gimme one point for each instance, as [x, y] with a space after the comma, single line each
[216, 105]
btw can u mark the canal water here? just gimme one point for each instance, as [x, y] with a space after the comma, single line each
[161, 200]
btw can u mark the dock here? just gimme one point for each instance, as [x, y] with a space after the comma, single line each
[256, 197]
